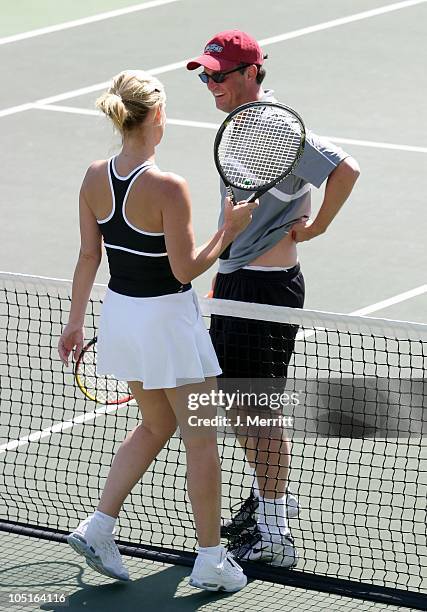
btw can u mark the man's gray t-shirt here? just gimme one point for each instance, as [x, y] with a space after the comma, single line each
[288, 201]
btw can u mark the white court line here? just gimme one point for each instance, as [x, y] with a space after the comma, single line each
[17, 109]
[340, 21]
[361, 312]
[378, 145]
[215, 126]
[98, 86]
[265, 42]
[83, 91]
[194, 124]
[68, 109]
[72, 94]
[84, 21]
[350, 141]
[92, 112]
[62, 426]
[407, 295]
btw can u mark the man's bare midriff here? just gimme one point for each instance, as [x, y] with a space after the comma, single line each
[283, 254]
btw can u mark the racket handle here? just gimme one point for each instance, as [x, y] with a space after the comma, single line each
[230, 195]
[226, 253]
[252, 198]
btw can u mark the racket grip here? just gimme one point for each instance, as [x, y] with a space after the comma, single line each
[252, 198]
[230, 195]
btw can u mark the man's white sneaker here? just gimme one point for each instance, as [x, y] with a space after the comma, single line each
[244, 515]
[225, 575]
[255, 545]
[99, 548]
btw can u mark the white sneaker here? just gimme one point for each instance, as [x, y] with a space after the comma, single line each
[245, 514]
[255, 545]
[226, 575]
[99, 548]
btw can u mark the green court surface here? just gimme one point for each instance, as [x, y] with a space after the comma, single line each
[47, 567]
[25, 15]
[359, 81]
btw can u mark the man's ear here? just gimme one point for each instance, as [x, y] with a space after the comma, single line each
[252, 71]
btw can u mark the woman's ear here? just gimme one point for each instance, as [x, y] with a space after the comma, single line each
[159, 115]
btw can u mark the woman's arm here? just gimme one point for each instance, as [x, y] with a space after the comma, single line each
[87, 265]
[187, 261]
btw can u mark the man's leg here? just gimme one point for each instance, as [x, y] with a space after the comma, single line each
[260, 350]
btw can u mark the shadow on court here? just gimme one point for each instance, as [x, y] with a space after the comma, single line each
[157, 591]
[41, 576]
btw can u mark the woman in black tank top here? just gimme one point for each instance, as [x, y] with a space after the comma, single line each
[151, 332]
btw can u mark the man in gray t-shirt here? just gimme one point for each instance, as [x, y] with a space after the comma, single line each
[262, 266]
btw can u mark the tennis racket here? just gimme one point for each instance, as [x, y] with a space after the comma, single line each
[257, 146]
[100, 389]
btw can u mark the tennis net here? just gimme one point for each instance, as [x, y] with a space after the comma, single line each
[359, 461]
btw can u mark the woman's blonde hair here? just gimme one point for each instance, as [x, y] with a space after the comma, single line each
[133, 93]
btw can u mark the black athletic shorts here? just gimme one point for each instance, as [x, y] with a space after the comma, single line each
[249, 348]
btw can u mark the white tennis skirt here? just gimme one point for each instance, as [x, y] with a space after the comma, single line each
[160, 341]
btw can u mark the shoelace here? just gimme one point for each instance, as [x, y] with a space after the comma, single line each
[248, 507]
[235, 567]
[229, 557]
[245, 538]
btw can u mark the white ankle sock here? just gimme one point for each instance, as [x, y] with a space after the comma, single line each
[272, 516]
[211, 551]
[104, 521]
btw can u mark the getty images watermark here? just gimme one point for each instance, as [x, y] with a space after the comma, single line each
[350, 407]
[263, 407]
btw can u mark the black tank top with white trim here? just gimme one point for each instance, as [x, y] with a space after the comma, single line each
[138, 261]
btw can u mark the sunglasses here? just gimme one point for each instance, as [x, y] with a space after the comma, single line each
[219, 77]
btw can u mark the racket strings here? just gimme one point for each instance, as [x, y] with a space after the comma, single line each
[262, 154]
[106, 389]
[259, 146]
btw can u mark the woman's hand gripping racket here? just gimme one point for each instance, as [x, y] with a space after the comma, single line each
[101, 389]
[257, 146]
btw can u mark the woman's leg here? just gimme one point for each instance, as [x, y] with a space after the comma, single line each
[214, 568]
[140, 447]
[203, 466]
[93, 538]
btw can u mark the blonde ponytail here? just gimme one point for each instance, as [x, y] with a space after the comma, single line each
[133, 93]
[112, 106]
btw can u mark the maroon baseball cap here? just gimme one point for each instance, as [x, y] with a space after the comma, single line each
[227, 50]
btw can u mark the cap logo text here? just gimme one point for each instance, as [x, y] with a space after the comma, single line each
[214, 48]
